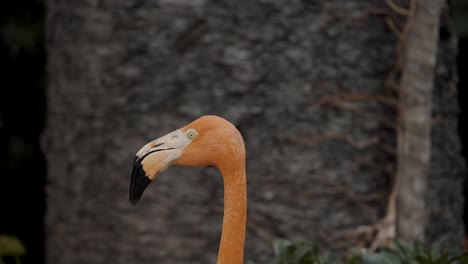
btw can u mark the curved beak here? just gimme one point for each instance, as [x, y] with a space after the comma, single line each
[153, 159]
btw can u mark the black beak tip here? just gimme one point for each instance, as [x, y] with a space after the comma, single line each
[138, 183]
[134, 201]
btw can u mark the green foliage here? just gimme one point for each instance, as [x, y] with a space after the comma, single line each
[401, 253]
[11, 246]
[461, 17]
[303, 253]
[398, 253]
[22, 27]
[288, 253]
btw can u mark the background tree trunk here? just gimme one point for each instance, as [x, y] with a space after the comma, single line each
[304, 81]
[415, 118]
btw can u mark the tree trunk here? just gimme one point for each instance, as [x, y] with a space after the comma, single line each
[415, 118]
[302, 80]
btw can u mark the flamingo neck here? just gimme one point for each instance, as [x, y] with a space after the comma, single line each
[231, 250]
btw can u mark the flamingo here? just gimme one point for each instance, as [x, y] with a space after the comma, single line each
[207, 141]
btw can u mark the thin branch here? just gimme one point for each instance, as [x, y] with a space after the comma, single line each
[394, 28]
[400, 10]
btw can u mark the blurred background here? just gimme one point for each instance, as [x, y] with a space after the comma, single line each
[311, 85]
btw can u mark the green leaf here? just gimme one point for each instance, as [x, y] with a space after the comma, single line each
[461, 259]
[354, 260]
[11, 246]
[281, 245]
[303, 253]
[380, 258]
[288, 252]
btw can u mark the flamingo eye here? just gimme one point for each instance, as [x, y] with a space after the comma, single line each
[192, 134]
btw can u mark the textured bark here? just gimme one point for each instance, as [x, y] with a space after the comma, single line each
[415, 119]
[302, 80]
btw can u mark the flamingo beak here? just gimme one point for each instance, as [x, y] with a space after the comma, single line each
[153, 159]
[138, 182]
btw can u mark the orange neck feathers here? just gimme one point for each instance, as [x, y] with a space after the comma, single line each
[231, 249]
[220, 144]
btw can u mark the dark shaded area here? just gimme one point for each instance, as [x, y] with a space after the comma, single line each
[22, 103]
[462, 63]
[461, 19]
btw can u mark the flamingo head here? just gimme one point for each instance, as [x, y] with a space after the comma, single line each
[207, 141]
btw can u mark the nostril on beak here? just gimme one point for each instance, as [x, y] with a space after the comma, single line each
[158, 145]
